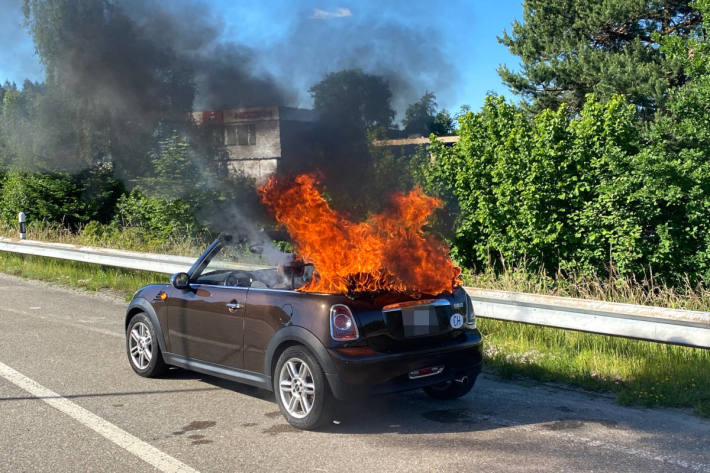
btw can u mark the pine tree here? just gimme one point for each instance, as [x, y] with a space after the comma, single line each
[569, 48]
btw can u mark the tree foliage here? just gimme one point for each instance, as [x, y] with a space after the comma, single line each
[353, 98]
[584, 192]
[570, 48]
[53, 197]
[98, 106]
[422, 118]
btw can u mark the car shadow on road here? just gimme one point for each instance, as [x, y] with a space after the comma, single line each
[239, 388]
[416, 413]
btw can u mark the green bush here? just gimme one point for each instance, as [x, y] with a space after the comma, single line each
[584, 193]
[53, 197]
[159, 217]
[56, 197]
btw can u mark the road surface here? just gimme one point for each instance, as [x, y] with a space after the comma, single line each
[70, 402]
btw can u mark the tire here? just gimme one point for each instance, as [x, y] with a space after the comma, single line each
[299, 382]
[142, 347]
[451, 389]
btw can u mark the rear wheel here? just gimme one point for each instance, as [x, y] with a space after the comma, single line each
[142, 346]
[301, 389]
[453, 389]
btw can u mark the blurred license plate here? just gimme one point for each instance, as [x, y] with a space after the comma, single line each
[418, 322]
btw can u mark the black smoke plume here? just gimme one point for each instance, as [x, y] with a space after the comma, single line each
[122, 72]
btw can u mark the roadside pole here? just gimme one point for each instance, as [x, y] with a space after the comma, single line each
[23, 229]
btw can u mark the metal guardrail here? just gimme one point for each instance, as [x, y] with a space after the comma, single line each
[658, 324]
[157, 263]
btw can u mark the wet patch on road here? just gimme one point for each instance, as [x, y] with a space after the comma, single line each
[201, 442]
[196, 425]
[281, 429]
[199, 439]
[564, 409]
[456, 416]
[570, 424]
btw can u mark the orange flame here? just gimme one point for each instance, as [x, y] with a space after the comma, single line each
[389, 252]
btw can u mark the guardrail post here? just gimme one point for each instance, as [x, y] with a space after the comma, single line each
[23, 229]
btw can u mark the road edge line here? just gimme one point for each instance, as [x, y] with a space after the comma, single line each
[143, 450]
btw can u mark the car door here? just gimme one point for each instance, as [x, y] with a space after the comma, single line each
[269, 310]
[206, 319]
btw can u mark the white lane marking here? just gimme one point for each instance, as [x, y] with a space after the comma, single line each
[62, 320]
[146, 452]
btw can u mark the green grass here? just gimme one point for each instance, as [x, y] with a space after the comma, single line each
[87, 276]
[109, 236]
[637, 372]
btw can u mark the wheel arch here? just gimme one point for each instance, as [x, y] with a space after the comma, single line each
[290, 336]
[142, 305]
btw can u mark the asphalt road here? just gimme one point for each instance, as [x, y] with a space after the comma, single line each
[70, 402]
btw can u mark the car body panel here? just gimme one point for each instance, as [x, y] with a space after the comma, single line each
[147, 300]
[201, 327]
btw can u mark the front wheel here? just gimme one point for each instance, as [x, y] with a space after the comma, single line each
[453, 389]
[142, 347]
[301, 389]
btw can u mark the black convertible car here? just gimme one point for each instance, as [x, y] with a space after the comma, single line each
[253, 327]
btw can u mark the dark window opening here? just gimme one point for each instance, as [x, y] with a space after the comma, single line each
[242, 135]
[230, 135]
[217, 137]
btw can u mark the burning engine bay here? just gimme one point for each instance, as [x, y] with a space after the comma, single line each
[388, 253]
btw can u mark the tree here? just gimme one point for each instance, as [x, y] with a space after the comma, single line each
[443, 124]
[109, 85]
[570, 48]
[354, 99]
[422, 118]
[419, 116]
[54, 197]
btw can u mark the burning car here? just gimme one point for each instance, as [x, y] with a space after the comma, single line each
[362, 308]
[253, 327]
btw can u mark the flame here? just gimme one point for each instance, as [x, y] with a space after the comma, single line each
[388, 252]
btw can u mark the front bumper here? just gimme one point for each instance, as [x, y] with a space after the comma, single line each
[389, 372]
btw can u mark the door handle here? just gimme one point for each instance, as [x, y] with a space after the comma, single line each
[234, 305]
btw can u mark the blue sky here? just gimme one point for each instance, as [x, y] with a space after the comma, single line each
[456, 55]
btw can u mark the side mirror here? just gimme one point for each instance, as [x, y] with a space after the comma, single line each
[180, 280]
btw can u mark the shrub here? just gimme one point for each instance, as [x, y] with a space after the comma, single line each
[53, 197]
[583, 193]
[159, 217]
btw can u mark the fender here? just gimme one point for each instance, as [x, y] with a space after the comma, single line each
[300, 335]
[145, 306]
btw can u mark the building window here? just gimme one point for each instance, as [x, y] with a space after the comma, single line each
[246, 134]
[230, 135]
[243, 135]
[217, 137]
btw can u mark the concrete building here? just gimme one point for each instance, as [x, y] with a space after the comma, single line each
[256, 141]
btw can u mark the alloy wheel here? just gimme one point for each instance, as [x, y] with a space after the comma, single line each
[140, 345]
[297, 388]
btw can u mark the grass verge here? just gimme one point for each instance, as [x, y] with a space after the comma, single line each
[112, 236]
[638, 372]
[92, 277]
